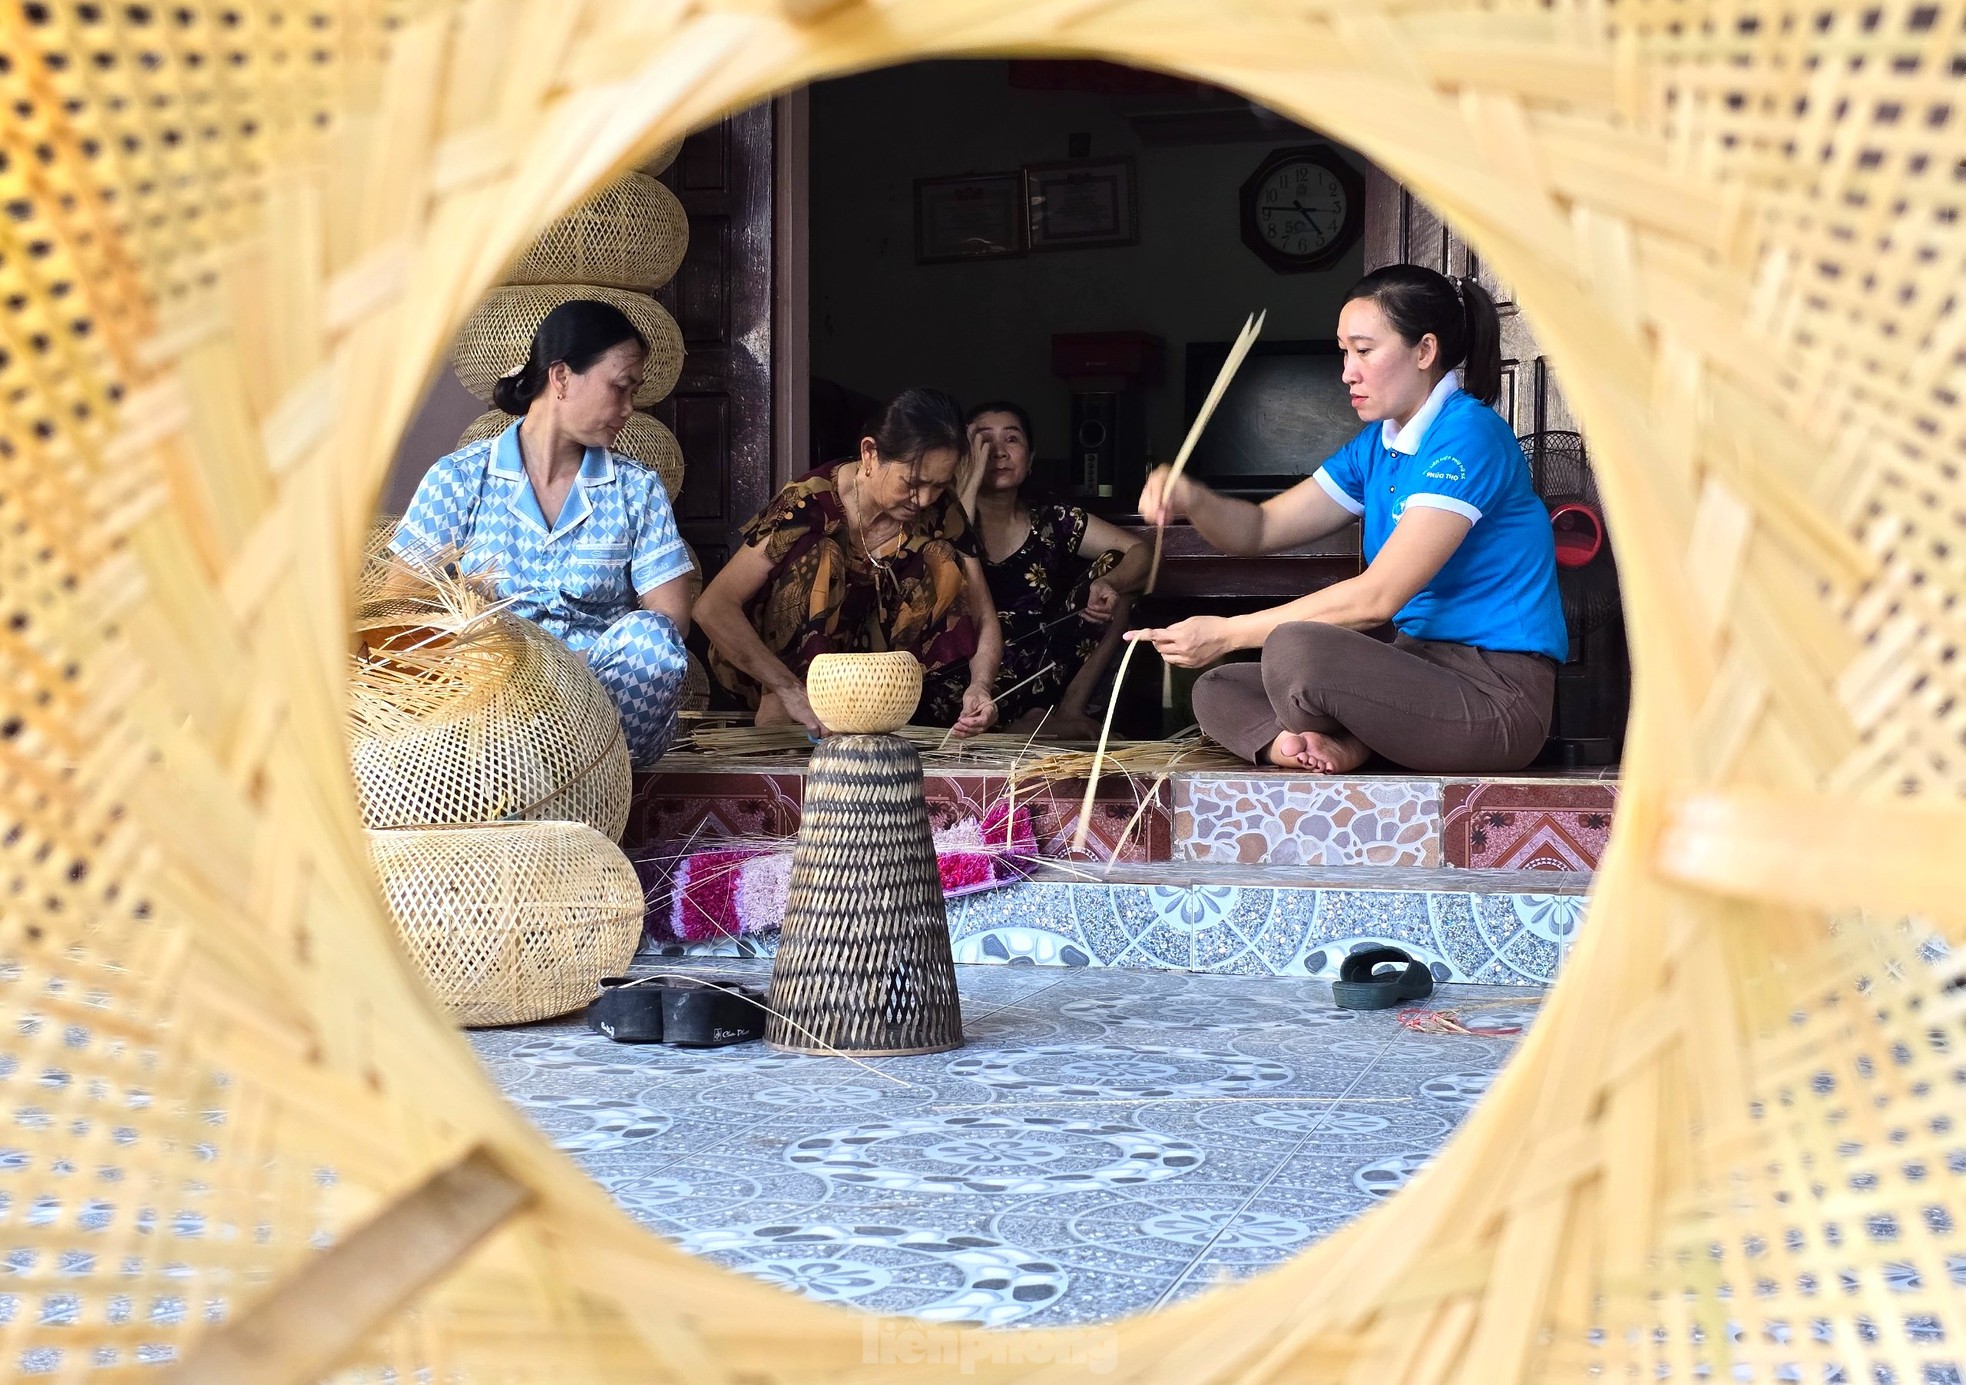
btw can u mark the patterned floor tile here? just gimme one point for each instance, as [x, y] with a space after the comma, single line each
[1106, 1141]
[900, 1270]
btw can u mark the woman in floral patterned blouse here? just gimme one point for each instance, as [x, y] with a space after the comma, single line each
[868, 554]
[1061, 580]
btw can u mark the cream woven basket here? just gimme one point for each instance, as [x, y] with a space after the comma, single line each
[860, 693]
[631, 236]
[1726, 1151]
[643, 438]
[495, 339]
[504, 723]
[510, 923]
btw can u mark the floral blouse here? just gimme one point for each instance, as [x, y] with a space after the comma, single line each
[1036, 590]
[825, 595]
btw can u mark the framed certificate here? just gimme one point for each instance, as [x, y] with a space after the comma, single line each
[976, 217]
[1081, 204]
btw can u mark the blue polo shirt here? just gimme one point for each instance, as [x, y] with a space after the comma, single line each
[1498, 590]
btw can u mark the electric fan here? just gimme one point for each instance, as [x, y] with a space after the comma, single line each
[1593, 684]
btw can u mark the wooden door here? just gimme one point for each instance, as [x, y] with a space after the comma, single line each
[721, 408]
[1401, 229]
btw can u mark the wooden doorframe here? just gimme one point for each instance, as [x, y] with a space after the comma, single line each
[791, 298]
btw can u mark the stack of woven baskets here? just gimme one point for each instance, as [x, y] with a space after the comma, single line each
[618, 246]
[494, 780]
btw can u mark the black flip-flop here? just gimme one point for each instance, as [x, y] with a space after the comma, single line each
[1362, 986]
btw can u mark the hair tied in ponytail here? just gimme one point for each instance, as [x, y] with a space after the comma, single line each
[1456, 310]
[578, 332]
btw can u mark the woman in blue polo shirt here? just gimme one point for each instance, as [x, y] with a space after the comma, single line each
[1459, 561]
[582, 541]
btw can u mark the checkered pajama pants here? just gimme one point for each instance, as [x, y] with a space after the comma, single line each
[640, 660]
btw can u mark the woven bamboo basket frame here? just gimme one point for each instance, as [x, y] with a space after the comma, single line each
[508, 723]
[865, 693]
[1738, 233]
[631, 235]
[644, 438]
[510, 922]
[495, 338]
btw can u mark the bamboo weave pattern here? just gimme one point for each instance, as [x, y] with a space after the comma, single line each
[240, 236]
[864, 965]
[510, 923]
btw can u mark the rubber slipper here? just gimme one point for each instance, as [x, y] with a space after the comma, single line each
[710, 1012]
[1362, 985]
[628, 1010]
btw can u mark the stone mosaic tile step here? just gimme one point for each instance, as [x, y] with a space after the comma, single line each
[1297, 820]
[1161, 918]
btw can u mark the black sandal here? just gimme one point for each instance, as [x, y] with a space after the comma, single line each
[1362, 986]
[710, 1012]
[628, 1010]
[671, 1008]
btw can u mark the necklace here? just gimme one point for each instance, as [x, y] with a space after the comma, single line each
[883, 567]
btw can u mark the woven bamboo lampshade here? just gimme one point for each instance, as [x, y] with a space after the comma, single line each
[864, 692]
[864, 965]
[240, 1133]
[632, 235]
[502, 722]
[510, 922]
[643, 438]
[495, 339]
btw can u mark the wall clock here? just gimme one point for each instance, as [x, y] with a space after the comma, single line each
[1302, 208]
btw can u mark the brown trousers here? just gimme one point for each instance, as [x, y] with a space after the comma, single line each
[1426, 706]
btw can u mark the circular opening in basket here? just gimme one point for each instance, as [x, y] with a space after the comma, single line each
[1229, 1058]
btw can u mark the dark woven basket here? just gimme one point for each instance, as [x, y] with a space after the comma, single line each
[863, 964]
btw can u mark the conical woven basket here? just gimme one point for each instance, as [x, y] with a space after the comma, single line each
[502, 722]
[864, 693]
[510, 922]
[643, 438]
[864, 963]
[496, 337]
[632, 235]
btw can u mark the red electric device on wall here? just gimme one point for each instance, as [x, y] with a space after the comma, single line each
[1108, 374]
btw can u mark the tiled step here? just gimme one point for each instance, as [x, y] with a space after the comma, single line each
[1520, 822]
[1558, 823]
[1494, 927]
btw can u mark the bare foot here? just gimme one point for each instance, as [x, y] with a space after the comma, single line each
[1317, 752]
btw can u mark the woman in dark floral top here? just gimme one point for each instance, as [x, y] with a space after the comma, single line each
[868, 554]
[1061, 580]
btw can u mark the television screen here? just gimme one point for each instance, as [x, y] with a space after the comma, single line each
[1284, 413]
